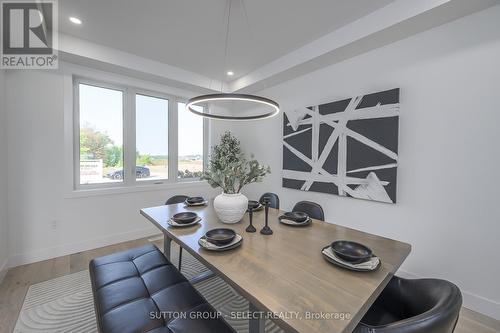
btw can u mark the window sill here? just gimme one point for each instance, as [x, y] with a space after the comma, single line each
[117, 190]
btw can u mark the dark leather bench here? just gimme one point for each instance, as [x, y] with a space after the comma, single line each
[139, 290]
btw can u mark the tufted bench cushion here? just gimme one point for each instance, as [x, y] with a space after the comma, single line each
[139, 290]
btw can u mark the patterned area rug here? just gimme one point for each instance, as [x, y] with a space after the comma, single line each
[65, 304]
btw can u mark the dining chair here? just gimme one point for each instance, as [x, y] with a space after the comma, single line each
[177, 199]
[414, 306]
[274, 200]
[312, 209]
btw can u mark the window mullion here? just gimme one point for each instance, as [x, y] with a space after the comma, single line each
[76, 133]
[206, 140]
[173, 139]
[129, 154]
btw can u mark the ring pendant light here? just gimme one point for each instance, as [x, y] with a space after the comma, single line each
[233, 96]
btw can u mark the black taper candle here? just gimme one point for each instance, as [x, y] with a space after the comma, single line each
[266, 230]
[250, 228]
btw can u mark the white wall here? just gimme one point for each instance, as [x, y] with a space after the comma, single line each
[37, 184]
[3, 180]
[448, 201]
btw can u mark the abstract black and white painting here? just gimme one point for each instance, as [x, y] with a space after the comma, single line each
[348, 147]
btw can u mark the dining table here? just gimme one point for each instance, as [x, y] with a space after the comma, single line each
[284, 276]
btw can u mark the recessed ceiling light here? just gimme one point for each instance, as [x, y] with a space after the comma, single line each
[75, 20]
[230, 73]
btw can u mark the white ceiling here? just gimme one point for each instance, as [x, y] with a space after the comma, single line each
[190, 34]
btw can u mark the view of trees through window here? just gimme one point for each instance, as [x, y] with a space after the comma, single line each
[101, 137]
[101, 134]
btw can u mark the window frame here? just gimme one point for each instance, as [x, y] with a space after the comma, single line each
[133, 161]
[129, 138]
[205, 141]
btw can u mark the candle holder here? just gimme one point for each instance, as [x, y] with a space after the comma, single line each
[250, 228]
[266, 230]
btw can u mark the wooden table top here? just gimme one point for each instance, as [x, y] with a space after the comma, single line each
[285, 273]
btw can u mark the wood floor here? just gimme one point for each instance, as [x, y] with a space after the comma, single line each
[15, 285]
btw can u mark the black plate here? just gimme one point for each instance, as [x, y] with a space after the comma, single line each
[225, 248]
[296, 216]
[184, 225]
[337, 263]
[351, 251]
[195, 200]
[220, 236]
[293, 224]
[253, 204]
[184, 217]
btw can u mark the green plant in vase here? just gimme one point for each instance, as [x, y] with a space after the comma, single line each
[230, 170]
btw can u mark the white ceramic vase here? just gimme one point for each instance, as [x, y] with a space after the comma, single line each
[230, 208]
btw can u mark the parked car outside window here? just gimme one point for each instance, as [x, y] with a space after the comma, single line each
[140, 172]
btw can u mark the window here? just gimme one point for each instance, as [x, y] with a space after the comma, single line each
[151, 121]
[101, 135]
[123, 136]
[190, 144]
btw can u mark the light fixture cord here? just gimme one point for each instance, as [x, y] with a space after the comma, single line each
[226, 42]
[250, 31]
[245, 14]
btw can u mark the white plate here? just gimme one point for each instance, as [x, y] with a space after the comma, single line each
[257, 208]
[180, 225]
[212, 247]
[295, 224]
[363, 267]
[204, 203]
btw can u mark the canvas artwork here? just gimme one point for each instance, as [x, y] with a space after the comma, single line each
[347, 147]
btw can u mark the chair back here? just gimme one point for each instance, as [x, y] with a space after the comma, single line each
[176, 199]
[274, 200]
[312, 209]
[414, 306]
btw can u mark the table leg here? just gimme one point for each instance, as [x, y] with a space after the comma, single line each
[167, 245]
[257, 322]
[180, 258]
[167, 242]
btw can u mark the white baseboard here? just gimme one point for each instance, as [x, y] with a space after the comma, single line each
[62, 250]
[155, 238]
[483, 305]
[3, 269]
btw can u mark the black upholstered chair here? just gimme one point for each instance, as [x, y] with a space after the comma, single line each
[310, 208]
[177, 199]
[274, 200]
[414, 306]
